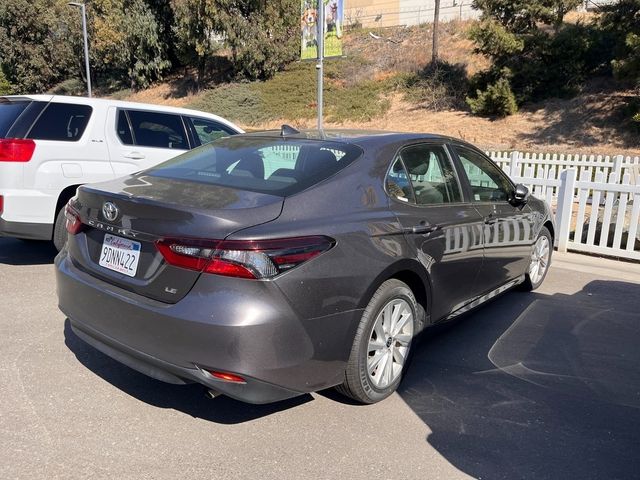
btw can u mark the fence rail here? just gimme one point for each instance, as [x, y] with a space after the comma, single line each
[596, 198]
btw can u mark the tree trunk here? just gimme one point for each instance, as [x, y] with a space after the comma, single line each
[436, 22]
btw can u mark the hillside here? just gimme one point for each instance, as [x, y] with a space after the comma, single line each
[378, 85]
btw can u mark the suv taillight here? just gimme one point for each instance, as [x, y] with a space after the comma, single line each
[16, 149]
[243, 258]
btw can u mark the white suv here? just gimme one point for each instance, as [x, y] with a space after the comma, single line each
[49, 145]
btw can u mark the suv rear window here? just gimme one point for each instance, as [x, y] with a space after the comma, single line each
[64, 122]
[275, 166]
[10, 110]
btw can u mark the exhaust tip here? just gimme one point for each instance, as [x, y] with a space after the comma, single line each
[211, 394]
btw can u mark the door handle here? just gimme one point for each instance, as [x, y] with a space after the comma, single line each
[422, 229]
[134, 155]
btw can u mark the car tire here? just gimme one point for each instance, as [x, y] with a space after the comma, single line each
[60, 230]
[540, 261]
[370, 344]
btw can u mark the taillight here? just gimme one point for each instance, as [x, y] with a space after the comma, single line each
[243, 258]
[227, 377]
[16, 149]
[74, 224]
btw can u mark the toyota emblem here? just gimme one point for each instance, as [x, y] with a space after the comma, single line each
[110, 211]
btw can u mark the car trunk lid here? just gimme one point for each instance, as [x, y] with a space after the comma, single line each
[149, 209]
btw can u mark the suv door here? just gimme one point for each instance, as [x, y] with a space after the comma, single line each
[507, 232]
[438, 222]
[141, 139]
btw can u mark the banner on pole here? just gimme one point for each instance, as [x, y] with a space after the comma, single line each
[333, 23]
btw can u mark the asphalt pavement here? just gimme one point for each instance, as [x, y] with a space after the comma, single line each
[539, 385]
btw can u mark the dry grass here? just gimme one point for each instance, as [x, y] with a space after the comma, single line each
[589, 123]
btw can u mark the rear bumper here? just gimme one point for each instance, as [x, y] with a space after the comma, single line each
[29, 231]
[251, 331]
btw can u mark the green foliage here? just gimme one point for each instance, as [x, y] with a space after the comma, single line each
[263, 36]
[529, 60]
[5, 86]
[147, 58]
[494, 40]
[621, 22]
[127, 42]
[39, 43]
[72, 86]
[291, 95]
[196, 32]
[497, 100]
[522, 16]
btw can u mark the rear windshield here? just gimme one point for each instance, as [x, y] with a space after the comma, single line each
[275, 166]
[10, 110]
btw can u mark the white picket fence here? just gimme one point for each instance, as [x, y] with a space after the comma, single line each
[602, 191]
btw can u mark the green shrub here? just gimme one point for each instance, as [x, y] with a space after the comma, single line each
[496, 101]
[71, 86]
[239, 102]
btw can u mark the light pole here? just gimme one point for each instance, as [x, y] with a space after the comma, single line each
[86, 43]
[319, 65]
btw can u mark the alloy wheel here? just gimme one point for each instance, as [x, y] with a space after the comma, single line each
[539, 259]
[389, 343]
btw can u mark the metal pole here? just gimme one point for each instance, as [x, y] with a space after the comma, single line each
[436, 22]
[319, 65]
[86, 48]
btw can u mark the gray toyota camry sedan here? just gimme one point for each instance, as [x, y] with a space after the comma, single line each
[267, 265]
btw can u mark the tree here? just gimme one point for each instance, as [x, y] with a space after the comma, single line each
[528, 60]
[621, 21]
[197, 32]
[126, 42]
[263, 35]
[40, 43]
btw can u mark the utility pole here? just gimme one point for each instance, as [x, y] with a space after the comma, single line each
[436, 22]
[86, 42]
[319, 65]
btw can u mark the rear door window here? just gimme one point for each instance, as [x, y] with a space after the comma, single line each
[65, 122]
[261, 164]
[159, 130]
[124, 129]
[206, 131]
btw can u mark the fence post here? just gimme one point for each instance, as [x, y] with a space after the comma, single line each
[514, 165]
[564, 207]
[618, 160]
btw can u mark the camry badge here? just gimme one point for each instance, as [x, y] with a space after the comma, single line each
[110, 211]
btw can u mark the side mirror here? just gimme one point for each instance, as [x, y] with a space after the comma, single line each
[520, 194]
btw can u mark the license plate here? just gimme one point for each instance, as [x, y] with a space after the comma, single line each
[120, 255]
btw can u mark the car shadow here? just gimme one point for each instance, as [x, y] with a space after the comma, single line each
[535, 386]
[26, 252]
[189, 399]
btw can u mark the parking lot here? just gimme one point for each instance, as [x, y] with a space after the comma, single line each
[533, 385]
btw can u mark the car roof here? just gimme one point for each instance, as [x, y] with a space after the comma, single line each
[121, 104]
[363, 138]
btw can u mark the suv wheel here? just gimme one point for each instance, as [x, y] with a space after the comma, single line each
[381, 347]
[60, 230]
